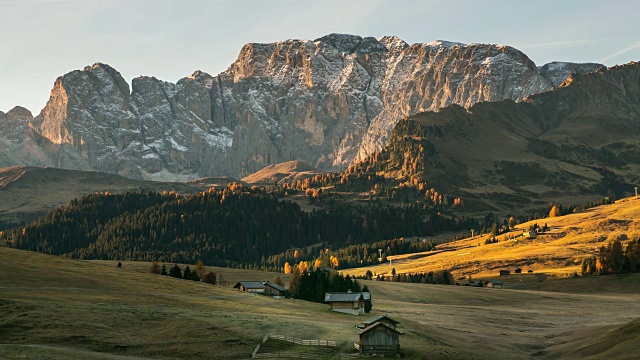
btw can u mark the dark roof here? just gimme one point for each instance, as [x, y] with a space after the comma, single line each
[250, 284]
[376, 319]
[275, 286]
[375, 325]
[342, 297]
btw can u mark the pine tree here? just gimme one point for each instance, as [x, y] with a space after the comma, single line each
[210, 278]
[187, 274]
[176, 272]
[164, 270]
[368, 305]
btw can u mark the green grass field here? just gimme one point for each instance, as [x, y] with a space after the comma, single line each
[56, 308]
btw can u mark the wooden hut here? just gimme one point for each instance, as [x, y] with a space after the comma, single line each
[250, 286]
[274, 290]
[518, 271]
[380, 318]
[348, 303]
[379, 338]
[493, 284]
[505, 272]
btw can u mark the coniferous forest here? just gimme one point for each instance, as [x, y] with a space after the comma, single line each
[235, 226]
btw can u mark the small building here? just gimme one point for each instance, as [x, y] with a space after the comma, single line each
[385, 319]
[530, 271]
[250, 286]
[530, 234]
[518, 271]
[505, 272]
[274, 290]
[348, 303]
[379, 338]
[493, 284]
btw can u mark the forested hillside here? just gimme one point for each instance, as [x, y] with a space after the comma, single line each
[575, 144]
[234, 226]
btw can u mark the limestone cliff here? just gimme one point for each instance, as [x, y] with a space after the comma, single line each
[325, 102]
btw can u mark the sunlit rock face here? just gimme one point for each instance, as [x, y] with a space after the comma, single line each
[557, 72]
[326, 102]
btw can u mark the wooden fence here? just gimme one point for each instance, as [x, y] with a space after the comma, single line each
[278, 355]
[292, 355]
[299, 341]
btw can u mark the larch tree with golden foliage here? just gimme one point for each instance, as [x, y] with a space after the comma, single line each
[155, 268]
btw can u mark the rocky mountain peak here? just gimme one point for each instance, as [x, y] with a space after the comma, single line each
[325, 102]
[444, 43]
[20, 113]
[393, 43]
[556, 72]
[341, 42]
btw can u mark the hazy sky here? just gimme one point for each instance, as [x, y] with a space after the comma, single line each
[43, 39]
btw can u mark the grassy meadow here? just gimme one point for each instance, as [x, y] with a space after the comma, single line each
[57, 308]
[558, 253]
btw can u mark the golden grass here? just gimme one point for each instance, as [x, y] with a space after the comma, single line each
[559, 253]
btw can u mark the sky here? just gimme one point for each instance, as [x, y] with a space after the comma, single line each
[43, 39]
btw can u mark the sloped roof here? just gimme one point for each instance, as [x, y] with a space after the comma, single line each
[250, 284]
[366, 295]
[375, 325]
[275, 286]
[342, 297]
[376, 319]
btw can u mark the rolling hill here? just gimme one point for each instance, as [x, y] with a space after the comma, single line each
[28, 192]
[289, 171]
[558, 252]
[59, 308]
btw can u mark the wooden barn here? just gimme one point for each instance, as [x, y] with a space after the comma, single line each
[494, 284]
[250, 286]
[505, 272]
[380, 338]
[274, 290]
[348, 303]
[385, 319]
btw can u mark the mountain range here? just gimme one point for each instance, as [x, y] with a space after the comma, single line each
[326, 102]
[577, 143]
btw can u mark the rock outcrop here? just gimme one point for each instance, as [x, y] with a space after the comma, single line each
[557, 72]
[326, 102]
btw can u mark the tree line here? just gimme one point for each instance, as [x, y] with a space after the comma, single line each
[312, 285]
[235, 226]
[613, 259]
[349, 256]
